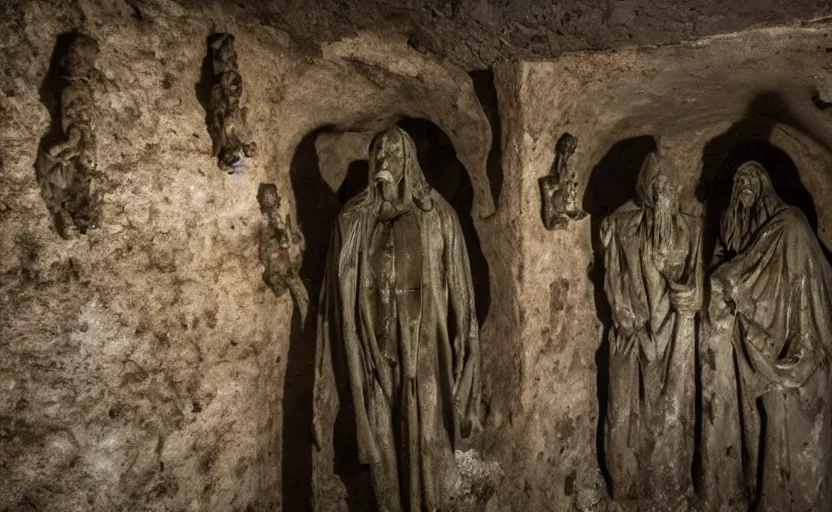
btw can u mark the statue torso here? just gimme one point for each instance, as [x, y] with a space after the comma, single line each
[395, 256]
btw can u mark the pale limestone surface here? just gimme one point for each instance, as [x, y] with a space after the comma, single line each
[146, 364]
[143, 365]
[684, 96]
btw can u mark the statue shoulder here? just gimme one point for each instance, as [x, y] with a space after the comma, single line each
[624, 217]
[446, 212]
[792, 214]
[793, 222]
[353, 206]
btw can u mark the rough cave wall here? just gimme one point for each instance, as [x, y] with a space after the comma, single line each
[697, 101]
[145, 363]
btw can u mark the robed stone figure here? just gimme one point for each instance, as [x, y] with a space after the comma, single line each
[771, 302]
[653, 285]
[397, 305]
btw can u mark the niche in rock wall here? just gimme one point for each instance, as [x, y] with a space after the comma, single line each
[612, 183]
[328, 169]
[448, 176]
[66, 166]
[718, 180]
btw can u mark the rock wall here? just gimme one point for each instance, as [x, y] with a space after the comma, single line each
[695, 103]
[146, 364]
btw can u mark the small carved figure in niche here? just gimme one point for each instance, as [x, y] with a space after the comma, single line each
[227, 118]
[559, 190]
[66, 171]
[398, 304]
[280, 250]
[772, 301]
[653, 283]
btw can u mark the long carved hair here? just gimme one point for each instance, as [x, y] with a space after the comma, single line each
[415, 184]
[739, 223]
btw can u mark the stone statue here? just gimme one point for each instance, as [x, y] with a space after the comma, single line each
[280, 250]
[559, 190]
[654, 286]
[771, 299]
[67, 170]
[227, 118]
[398, 303]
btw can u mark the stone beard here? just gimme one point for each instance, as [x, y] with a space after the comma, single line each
[772, 302]
[653, 284]
[397, 305]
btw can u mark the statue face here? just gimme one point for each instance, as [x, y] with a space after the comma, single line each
[749, 188]
[389, 165]
[660, 189]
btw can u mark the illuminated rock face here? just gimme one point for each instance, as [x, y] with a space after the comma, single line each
[154, 361]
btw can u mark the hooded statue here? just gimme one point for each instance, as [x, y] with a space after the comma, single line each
[772, 302]
[654, 287]
[397, 316]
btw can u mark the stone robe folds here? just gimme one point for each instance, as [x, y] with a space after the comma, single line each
[408, 414]
[649, 425]
[781, 331]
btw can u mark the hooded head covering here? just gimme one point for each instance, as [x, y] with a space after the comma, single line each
[644, 185]
[415, 184]
[738, 223]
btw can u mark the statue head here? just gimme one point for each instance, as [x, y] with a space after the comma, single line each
[395, 176]
[566, 145]
[81, 56]
[653, 188]
[223, 49]
[268, 198]
[753, 202]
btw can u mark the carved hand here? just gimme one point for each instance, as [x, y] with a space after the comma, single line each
[685, 299]
[722, 306]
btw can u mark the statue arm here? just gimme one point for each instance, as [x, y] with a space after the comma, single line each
[615, 274]
[686, 293]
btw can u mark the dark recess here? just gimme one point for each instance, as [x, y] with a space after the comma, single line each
[612, 182]
[317, 206]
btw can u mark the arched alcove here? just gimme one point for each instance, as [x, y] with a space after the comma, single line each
[319, 194]
[612, 182]
[748, 140]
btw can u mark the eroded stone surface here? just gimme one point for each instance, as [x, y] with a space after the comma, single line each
[476, 33]
[146, 364]
[697, 111]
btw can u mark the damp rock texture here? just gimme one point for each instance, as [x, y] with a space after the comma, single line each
[474, 34]
[155, 362]
[704, 120]
[145, 364]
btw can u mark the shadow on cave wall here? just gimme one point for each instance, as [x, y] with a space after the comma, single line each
[317, 206]
[202, 89]
[50, 90]
[612, 182]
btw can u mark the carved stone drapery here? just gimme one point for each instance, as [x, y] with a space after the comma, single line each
[771, 299]
[654, 286]
[397, 305]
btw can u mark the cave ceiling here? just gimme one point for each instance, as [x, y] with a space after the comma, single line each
[475, 33]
